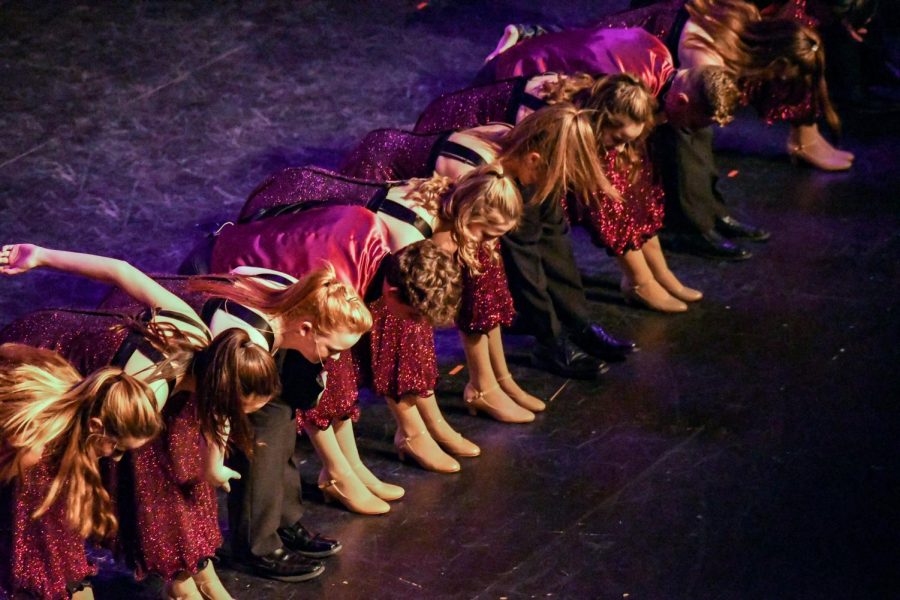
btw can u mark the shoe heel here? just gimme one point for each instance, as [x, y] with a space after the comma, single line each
[401, 455]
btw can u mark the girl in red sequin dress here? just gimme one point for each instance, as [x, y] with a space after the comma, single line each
[304, 202]
[626, 227]
[166, 504]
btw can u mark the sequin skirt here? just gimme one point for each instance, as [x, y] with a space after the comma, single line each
[340, 399]
[486, 301]
[621, 226]
[44, 554]
[168, 513]
[403, 356]
[391, 154]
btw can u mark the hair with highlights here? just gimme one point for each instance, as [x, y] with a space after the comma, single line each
[623, 95]
[563, 137]
[45, 403]
[319, 296]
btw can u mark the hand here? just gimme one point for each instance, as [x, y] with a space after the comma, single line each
[18, 258]
[220, 475]
[858, 34]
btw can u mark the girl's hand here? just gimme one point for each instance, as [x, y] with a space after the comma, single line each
[18, 258]
[220, 475]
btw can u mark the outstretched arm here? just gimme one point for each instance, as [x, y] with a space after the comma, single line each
[19, 258]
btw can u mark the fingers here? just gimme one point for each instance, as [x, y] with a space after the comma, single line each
[226, 486]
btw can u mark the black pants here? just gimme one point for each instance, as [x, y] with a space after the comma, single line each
[543, 278]
[687, 166]
[268, 494]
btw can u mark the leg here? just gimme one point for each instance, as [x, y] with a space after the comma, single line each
[183, 587]
[440, 430]
[413, 438]
[653, 254]
[343, 431]
[483, 383]
[805, 142]
[527, 280]
[338, 481]
[505, 378]
[686, 164]
[268, 494]
[638, 285]
[209, 584]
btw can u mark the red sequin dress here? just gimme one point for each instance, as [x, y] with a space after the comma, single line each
[622, 225]
[41, 556]
[386, 154]
[167, 512]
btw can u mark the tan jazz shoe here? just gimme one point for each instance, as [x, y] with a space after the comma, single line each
[370, 505]
[451, 440]
[429, 455]
[501, 407]
[520, 396]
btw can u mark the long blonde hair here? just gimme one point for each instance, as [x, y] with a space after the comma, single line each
[623, 95]
[319, 295]
[483, 196]
[563, 136]
[44, 402]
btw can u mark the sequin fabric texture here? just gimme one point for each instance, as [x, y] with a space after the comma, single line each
[168, 511]
[165, 505]
[44, 554]
[473, 106]
[486, 301]
[339, 400]
[304, 184]
[620, 226]
[391, 154]
[89, 342]
[403, 355]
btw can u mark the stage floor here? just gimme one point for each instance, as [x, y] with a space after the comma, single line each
[748, 451]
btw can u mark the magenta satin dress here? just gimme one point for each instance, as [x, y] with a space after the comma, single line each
[167, 512]
[349, 236]
[596, 51]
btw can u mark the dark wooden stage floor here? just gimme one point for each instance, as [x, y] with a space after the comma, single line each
[748, 451]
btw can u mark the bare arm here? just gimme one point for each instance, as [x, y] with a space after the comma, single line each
[19, 258]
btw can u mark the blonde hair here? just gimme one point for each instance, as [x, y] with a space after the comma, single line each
[319, 295]
[563, 136]
[623, 95]
[483, 196]
[44, 402]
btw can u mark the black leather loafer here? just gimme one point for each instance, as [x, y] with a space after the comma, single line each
[567, 360]
[298, 539]
[596, 342]
[709, 245]
[280, 565]
[732, 228]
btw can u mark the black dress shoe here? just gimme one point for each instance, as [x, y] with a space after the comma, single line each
[565, 359]
[281, 565]
[297, 539]
[596, 342]
[732, 228]
[710, 245]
